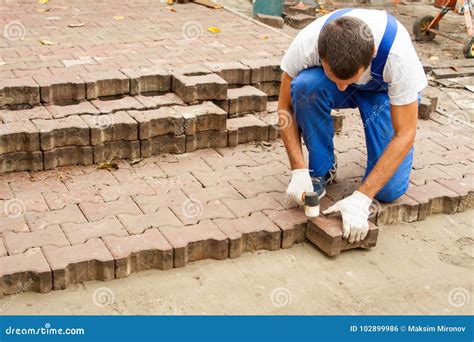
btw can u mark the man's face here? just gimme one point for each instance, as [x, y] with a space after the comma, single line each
[341, 84]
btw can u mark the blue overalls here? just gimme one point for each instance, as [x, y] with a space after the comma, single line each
[314, 95]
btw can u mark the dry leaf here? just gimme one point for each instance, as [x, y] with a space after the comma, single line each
[42, 10]
[213, 29]
[170, 2]
[118, 17]
[43, 1]
[46, 42]
[107, 165]
[76, 25]
[171, 9]
[265, 37]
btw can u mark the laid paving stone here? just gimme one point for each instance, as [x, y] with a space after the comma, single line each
[68, 131]
[58, 111]
[264, 70]
[244, 207]
[18, 243]
[147, 79]
[128, 174]
[108, 83]
[78, 263]
[271, 20]
[12, 223]
[433, 198]
[157, 101]
[170, 197]
[91, 179]
[258, 172]
[201, 241]
[200, 88]
[292, 223]
[3, 249]
[78, 233]
[20, 90]
[18, 136]
[232, 72]
[135, 187]
[205, 195]
[116, 150]
[157, 122]
[137, 224]
[161, 144]
[40, 220]
[202, 117]
[21, 161]
[271, 119]
[246, 129]
[212, 178]
[31, 186]
[136, 253]
[248, 234]
[326, 233]
[206, 139]
[59, 200]
[107, 105]
[99, 211]
[403, 209]
[192, 211]
[67, 155]
[111, 127]
[61, 87]
[220, 163]
[184, 163]
[464, 187]
[244, 100]
[253, 188]
[25, 272]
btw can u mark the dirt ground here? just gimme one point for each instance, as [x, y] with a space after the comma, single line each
[418, 268]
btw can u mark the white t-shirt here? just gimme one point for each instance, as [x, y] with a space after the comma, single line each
[403, 71]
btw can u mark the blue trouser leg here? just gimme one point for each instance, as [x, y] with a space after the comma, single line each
[374, 109]
[314, 96]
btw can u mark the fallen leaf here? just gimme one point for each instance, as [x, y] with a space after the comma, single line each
[170, 2]
[171, 9]
[265, 37]
[107, 165]
[118, 17]
[76, 25]
[43, 1]
[46, 42]
[213, 29]
[42, 10]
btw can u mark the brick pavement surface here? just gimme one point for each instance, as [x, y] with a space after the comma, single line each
[159, 210]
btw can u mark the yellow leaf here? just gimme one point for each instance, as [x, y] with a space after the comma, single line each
[170, 2]
[46, 42]
[118, 17]
[43, 1]
[265, 37]
[213, 29]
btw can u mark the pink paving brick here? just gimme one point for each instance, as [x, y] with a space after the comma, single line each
[212, 178]
[37, 221]
[184, 163]
[292, 223]
[244, 207]
[147, 171]
[137, 224]
[150, 204]
[32, 186]
[247, 234]
[218, 192]
[13, 224]
[149, 250]
[25, 272]
[135, 187]
[221, 162]
[98, 211]
[326, 234]
[263, 171]
[403, 209]
[253, 188]
[464, 187]
[3, 249]
[193, 211]
[18, 243]
[59, 200]
[78, 263]
[433, 198]
[202, 241]
[78, 233]
[90, 179]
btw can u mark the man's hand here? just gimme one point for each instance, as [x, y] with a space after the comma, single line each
[355, 213]
[300, 183]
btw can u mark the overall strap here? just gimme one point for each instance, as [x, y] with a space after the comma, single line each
[378, 63]
[336, 14]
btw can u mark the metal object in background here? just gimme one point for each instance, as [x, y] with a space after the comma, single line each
[427, 27]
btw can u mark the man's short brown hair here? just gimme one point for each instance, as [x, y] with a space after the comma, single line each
[346, 44]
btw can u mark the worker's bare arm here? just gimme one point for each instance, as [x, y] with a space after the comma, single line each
[404, 121]
[288, 127]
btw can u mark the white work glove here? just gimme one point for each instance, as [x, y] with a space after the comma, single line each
[299, 184]
[355, 213]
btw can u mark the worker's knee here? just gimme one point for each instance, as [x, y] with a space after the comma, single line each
[309, 81]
